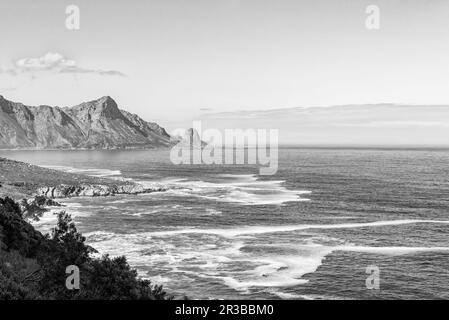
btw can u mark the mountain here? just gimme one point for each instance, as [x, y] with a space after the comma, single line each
[97, 124]
[189, 138]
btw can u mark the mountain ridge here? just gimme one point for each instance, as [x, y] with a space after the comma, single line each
[95, 124]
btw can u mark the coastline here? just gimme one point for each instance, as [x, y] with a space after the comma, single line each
[143, 147]
[34, 188]
[20, 180]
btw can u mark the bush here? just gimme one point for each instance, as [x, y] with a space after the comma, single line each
[33, 266]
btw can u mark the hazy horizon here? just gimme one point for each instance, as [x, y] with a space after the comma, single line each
[364, 125]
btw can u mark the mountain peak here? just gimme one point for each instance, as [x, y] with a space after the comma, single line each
[104, 105]
[106, 102]
[106, 99]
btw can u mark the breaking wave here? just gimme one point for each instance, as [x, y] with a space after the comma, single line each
[230, 257]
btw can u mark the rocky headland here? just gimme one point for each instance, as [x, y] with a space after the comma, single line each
[34, 187]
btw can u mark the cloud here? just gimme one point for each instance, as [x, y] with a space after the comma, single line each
[8, 88]
[398, 124]
[49, 61]
[84, 70]
[56, 62]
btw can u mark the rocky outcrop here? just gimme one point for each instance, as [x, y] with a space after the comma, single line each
[88, 190]
[33, 208]
[97, 124]
[22, 180]
[189, 138]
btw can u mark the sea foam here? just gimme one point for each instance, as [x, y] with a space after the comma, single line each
[240, 189]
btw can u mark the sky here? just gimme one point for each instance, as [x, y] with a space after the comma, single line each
[173, 61]
[343, 125]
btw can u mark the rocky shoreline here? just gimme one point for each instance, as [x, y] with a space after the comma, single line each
[34, 187]
[34, 207]
[96, 190]
[21, 180]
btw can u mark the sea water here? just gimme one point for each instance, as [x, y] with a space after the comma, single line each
[309, 232]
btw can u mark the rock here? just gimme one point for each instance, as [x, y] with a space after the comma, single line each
[190, 138]
[97, 190]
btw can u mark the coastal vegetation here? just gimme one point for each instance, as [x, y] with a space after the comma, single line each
[33, 265]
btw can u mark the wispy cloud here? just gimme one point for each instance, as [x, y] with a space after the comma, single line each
[55, 62]
[96, 71]
[8, 88]
[397, 124]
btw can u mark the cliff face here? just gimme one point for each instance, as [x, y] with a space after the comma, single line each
[97, 124]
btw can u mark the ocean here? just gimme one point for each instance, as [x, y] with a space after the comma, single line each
[312, 231]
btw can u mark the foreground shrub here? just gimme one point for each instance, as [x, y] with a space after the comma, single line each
[33, 266]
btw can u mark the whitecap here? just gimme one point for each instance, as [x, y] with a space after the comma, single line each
[250, 230]
[241, 189]
[94, 172]
[393, 250]
[223, 255]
